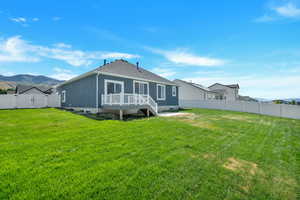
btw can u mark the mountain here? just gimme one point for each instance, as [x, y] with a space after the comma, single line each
[30, 79]
[7, 85]
[263, 99]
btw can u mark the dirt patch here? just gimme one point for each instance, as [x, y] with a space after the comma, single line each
[209, 156]
[285, 181]
[234, 164]
[190, 116]
[201, 124]
[237, 117]
[246, 188]
[192, 119]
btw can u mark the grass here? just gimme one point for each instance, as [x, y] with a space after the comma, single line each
[206, 154]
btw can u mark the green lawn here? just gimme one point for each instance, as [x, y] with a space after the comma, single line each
[207, 154]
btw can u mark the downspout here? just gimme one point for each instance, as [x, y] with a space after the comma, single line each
[97, 92]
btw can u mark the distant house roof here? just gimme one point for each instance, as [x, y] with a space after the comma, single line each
[125, 69]
[198, 86]
[230, 86]
[20, 89]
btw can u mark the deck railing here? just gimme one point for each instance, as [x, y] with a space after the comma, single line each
[128, 99]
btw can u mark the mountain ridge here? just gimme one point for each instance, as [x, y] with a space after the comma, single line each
[30, 79]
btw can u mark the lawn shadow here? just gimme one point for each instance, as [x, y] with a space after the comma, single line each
[108, 116]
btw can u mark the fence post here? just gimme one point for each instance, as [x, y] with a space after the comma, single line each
[16, 101]
[47, 100]
[280, 109]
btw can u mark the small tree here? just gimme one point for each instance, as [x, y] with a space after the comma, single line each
[293, 102]
[277, 101]
[3, 91]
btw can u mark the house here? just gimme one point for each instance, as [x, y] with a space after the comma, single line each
[33, 89]
[194, 91]
[226, 92]
[120, 87]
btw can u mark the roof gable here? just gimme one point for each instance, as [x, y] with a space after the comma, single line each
[23, 88]
[126, 69]
[195, 85]
[123, 68]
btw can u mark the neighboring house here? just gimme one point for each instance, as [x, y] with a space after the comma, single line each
[33, 89]
[226, 92]
[119, 86]
[193, 91]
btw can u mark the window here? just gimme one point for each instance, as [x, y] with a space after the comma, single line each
[141, 87]
[174, 91]
[113, 87]
[161, 92]
[63, 96]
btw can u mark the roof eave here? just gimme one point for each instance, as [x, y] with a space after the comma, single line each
[111, 74]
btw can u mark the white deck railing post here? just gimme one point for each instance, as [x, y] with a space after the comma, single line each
[132, 99]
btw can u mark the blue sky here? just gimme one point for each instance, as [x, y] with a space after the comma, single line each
[254, 43]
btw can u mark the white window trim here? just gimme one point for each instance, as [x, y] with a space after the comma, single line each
[63, 96]
[174, 91]
[113, 81]
[135, 81]
[157, 92]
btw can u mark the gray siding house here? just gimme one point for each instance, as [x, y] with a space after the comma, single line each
[226, 92]
[194, 91]
[121, 87]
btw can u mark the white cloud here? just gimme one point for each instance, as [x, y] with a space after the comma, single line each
[163, 72]
[62, 74]
[284, 11]
[19, 19]
[7, 73]
[35, 19]
[265, 18]
[15, 49]
[182, 57]
[56, 18]
[273, 86]
[119, 55]
[62, 45]
[288, 10]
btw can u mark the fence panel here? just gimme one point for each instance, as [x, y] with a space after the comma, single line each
[281, 110]
[54, 101]
[290, 111]
[29, 101]
[271, 109]
[8, 101]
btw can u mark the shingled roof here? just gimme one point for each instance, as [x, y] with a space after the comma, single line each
[21, 88]
[125, 69]
[230, 86]
[195, 85]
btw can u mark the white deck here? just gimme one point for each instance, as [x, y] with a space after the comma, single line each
[126, 99]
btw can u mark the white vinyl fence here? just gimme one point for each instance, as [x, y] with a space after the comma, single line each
[11, 101]
[280, 110]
